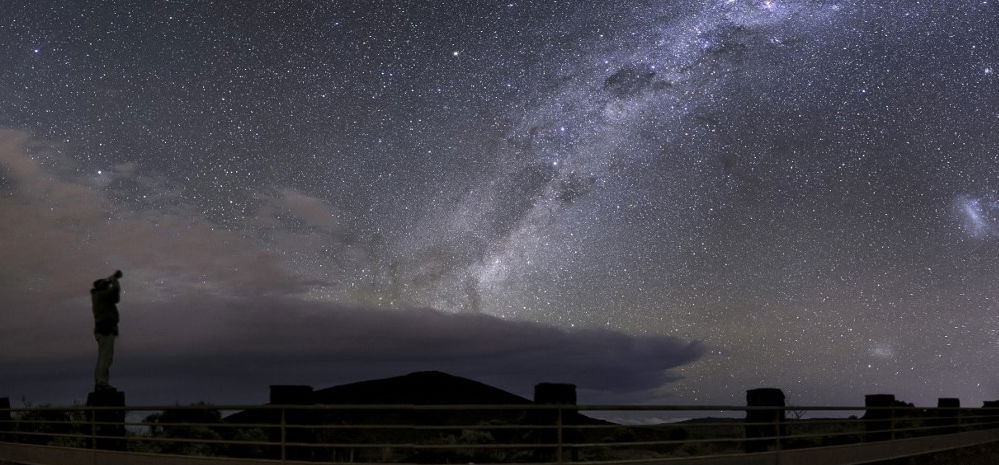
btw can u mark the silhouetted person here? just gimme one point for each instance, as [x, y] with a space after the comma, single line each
[104, 295]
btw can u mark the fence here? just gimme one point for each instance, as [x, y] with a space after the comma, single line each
[529, 433]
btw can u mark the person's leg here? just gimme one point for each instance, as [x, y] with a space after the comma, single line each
[105, 354]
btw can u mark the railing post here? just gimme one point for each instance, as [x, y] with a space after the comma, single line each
[778, 416]
[892, 419]
[284, 435]
[558, 429]
[93, 428]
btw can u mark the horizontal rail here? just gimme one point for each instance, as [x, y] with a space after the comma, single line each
[732, 422]
[858, 453]
[548, 434]
[467, 407]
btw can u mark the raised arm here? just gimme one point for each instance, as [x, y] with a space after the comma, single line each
[115, 288]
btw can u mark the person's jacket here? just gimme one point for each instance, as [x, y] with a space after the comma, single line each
[104, 298]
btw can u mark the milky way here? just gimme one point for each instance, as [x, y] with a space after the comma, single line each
[808, 187]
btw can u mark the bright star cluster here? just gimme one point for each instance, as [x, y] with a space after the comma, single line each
[809, 187]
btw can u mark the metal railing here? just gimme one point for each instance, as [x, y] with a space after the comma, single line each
[528, 433]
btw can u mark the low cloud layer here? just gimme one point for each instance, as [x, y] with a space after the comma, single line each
[236, 347]
[217, 314]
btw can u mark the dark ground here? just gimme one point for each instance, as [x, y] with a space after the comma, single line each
[987, 454]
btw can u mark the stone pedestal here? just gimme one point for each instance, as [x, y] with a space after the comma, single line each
[555, 393]
[6, 419]
[563, 394]
[108, 424]
[879, 416]
[949, 412]
[990, 410]
[296, 394]
[285, 394]
[764, 423]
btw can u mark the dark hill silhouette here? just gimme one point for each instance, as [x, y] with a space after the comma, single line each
[419, 388]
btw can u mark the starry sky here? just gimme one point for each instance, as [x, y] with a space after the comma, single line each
[668, 201]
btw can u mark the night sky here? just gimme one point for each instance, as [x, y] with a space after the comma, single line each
[668, 201]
